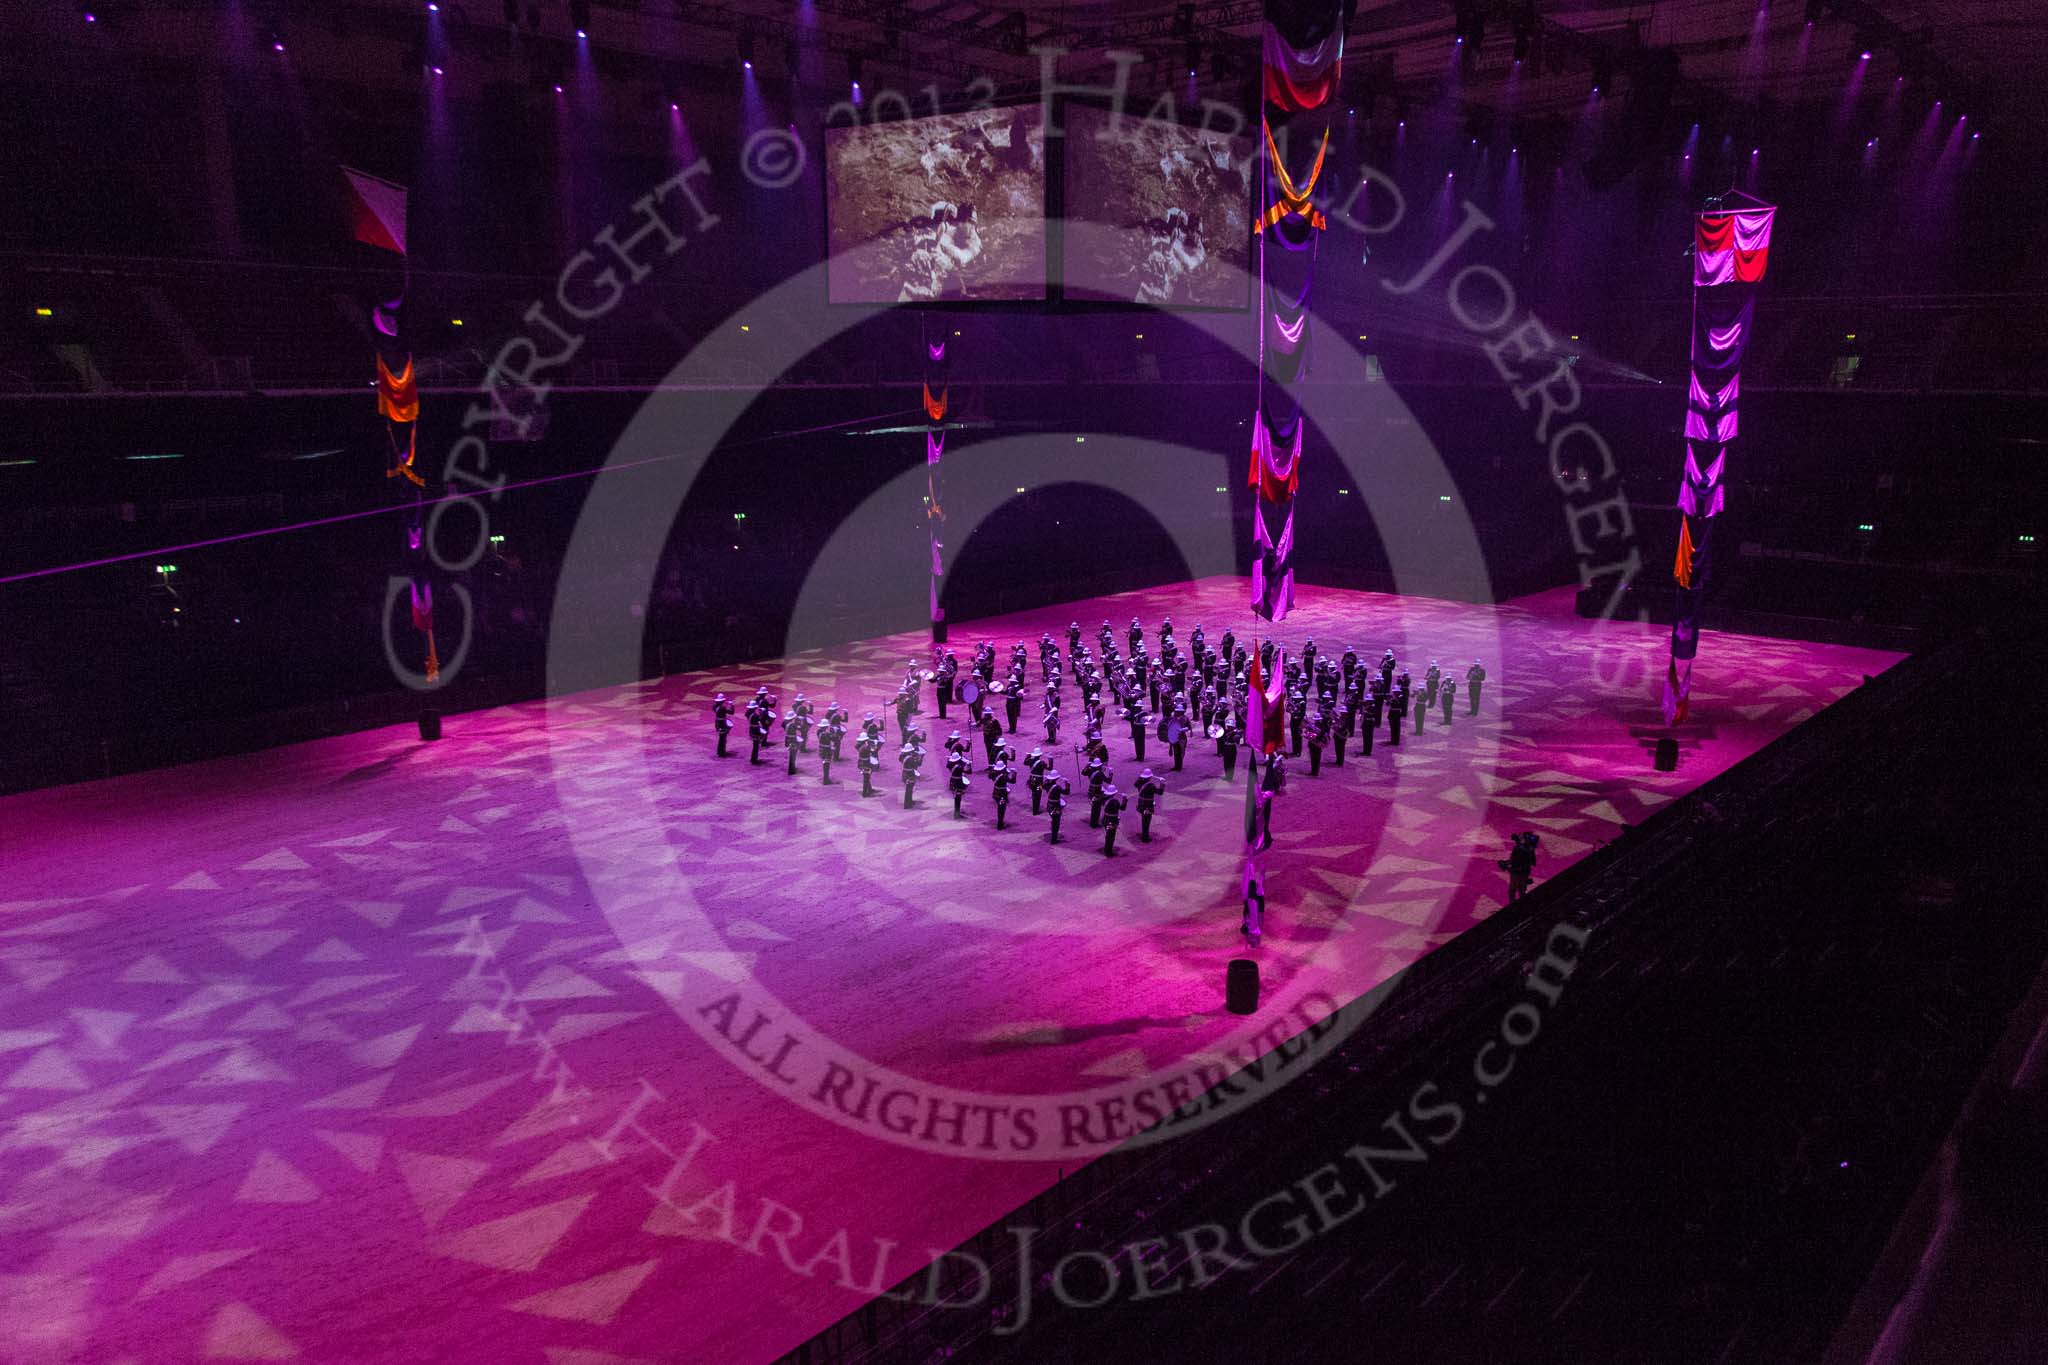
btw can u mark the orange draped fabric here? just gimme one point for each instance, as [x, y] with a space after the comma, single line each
[1682, 568]
[398, 395]
[1294, 199]
[935, 408]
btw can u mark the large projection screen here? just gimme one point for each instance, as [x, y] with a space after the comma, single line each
[956, 203]
[1177, 201]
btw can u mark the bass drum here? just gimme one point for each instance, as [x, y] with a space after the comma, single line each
[969, 691]
[1176, 731]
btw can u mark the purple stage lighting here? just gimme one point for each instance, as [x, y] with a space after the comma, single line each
[437, 71]
[1864, 57]
[91, 18]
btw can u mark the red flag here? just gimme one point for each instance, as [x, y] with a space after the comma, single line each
[1268, 707]
[376, 210]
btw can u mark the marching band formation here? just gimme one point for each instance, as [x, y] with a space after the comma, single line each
[1178, 698]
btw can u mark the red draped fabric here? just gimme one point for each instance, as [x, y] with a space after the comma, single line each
[1300, 79]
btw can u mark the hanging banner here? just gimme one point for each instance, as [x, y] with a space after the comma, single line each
[937, 393]
[1303, 51]
[1731, 248]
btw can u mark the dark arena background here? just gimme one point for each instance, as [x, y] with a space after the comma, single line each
[910, 680]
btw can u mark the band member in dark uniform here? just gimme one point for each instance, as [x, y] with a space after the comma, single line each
[1318, 734]
[1520, 864]
[792, 737]
[1344, 721]
[1150, 789]
[1431, 680]
[1134, 712]
[1226, 745]
[1297, 716]
[1052, 719]
[1397, 711]
[991, 732]
[1137, 635]
[1037, 764]
[1387, 670]
[1113, 804]
[1474, 676]
[1000, 780]
[1057, 789]
[1013, 700]
[1448, 695]
[1178, 727]
[868, 758]
[1418, 704]
[721, 719]
[906, 706]
[830, 735]
[1099, 776]
[803, 709]
[1368, 712]
[947, 672]
[912, 759]
[760, 717]
[957, 768]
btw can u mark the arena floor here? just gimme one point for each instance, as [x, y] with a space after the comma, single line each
[562, 1040]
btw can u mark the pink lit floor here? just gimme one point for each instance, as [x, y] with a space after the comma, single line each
[270, 1026]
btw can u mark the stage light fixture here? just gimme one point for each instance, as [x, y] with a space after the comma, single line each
[46, 312]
